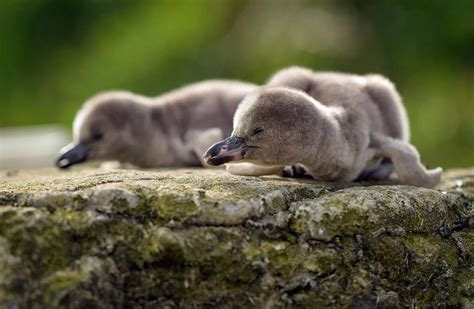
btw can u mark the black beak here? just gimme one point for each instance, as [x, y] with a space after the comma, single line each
[232, 148]
[72, 154]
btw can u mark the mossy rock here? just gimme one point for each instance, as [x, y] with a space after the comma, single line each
[198, 238]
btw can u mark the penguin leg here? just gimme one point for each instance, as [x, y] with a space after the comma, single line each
[249, 169]
[200, 141]
[406, 162]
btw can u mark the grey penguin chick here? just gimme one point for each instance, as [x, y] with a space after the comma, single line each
[173, 129]
[358, 126]
[338, 88]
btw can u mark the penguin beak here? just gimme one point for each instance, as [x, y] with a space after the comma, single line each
[72, 154]
[232, 148]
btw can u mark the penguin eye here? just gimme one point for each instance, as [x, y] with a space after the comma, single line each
[97, 136]
[258, 130]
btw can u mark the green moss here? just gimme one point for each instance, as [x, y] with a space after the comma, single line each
[429, 251]
[432, 262]
[283, 257]
[332, 215]
[466, 242]
[391, 257]
[280, 256]
[172, 207]
[322, 261]
[159, 243]
[275, 203]
[60, 283]
[39, 240]
[465, 283]
[202, 238]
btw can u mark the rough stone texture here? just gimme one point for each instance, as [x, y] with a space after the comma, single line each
[193, 238]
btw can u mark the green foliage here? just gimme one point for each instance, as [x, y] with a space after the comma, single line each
[56, 54]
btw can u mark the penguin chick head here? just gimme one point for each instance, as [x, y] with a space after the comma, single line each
[271, 127]
[110, 126]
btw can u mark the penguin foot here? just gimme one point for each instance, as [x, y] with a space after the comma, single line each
[296, 171]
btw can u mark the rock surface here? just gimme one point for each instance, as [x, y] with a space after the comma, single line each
[195, 237]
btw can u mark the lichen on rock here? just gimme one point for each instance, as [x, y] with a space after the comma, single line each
[197, 237]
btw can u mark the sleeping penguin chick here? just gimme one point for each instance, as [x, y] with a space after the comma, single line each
[173, 129]
[349, 136]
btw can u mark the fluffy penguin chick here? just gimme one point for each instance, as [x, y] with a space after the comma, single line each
[277, 127]
[173, 129]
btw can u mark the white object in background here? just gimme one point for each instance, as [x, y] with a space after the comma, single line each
[31, 147]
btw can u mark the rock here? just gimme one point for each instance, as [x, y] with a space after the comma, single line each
[196, 237]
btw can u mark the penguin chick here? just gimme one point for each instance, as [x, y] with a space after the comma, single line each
[173, 129]
[277, 127]
[375, 93]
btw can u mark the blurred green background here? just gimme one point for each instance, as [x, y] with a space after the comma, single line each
[55, 54]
